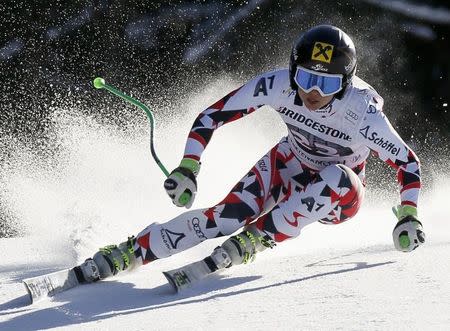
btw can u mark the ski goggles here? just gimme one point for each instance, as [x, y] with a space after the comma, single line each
[325, 84]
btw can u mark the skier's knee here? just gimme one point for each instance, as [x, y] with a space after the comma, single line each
[232, 215]
[339, 174]
[349, 190]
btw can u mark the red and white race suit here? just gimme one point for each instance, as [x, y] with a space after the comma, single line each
[316, 173]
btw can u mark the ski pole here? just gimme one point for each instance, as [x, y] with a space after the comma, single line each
[99, 83]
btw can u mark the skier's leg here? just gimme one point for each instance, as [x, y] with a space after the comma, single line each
[259, 190]
[334, 196]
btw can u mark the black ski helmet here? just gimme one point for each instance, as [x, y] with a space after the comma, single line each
[324, 48]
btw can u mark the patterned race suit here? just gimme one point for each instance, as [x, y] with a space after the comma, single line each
[316, 173]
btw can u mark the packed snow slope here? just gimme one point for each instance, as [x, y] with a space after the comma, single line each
[103, 186]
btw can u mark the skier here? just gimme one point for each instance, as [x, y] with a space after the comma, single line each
[315, 173]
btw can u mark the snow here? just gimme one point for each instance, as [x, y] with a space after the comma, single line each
[11, 48]
[345, 277]
[421, 31]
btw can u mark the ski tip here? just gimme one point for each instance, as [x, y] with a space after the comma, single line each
[171, 281]
[48, 285]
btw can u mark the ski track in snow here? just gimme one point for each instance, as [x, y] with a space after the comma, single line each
[345, 277]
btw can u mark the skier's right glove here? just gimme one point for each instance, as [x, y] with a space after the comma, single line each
[408, 233]
[181, 185]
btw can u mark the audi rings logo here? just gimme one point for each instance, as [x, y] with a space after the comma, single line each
[352, 114]
[198, 231]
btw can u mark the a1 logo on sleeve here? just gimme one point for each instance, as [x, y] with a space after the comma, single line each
[261, 86]
[322, 52]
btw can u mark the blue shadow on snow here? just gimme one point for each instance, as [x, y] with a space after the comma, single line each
[103, 300]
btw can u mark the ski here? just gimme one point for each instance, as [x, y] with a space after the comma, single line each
[50, 284]
[184, 277]
[53, 283]
[192, 273]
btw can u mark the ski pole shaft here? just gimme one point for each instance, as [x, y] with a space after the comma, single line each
[99, 83]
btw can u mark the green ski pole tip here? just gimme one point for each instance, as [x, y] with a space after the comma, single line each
[99, 82]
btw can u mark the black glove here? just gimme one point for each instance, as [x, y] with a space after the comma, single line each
[408, 233]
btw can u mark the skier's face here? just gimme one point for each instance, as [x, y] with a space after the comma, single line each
[313, 100]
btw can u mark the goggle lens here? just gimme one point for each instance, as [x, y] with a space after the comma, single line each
[325, 84]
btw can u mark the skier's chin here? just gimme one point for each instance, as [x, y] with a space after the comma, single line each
[313, 105]
[313, 100]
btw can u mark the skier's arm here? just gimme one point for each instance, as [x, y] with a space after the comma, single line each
[181, 184]
[235, 105]
[382, 138]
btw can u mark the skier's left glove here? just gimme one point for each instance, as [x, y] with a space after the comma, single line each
[181, 185]
[408, 233]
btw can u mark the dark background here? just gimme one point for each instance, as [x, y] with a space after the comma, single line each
[160, 50]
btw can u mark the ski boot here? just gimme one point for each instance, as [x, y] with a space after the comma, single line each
[235, 250]
[87, 272]
[108, 261]
[242, 248]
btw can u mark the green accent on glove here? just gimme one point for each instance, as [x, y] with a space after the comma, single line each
[185, 197]
[179, 175]
[402, 211]
[191, 164]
